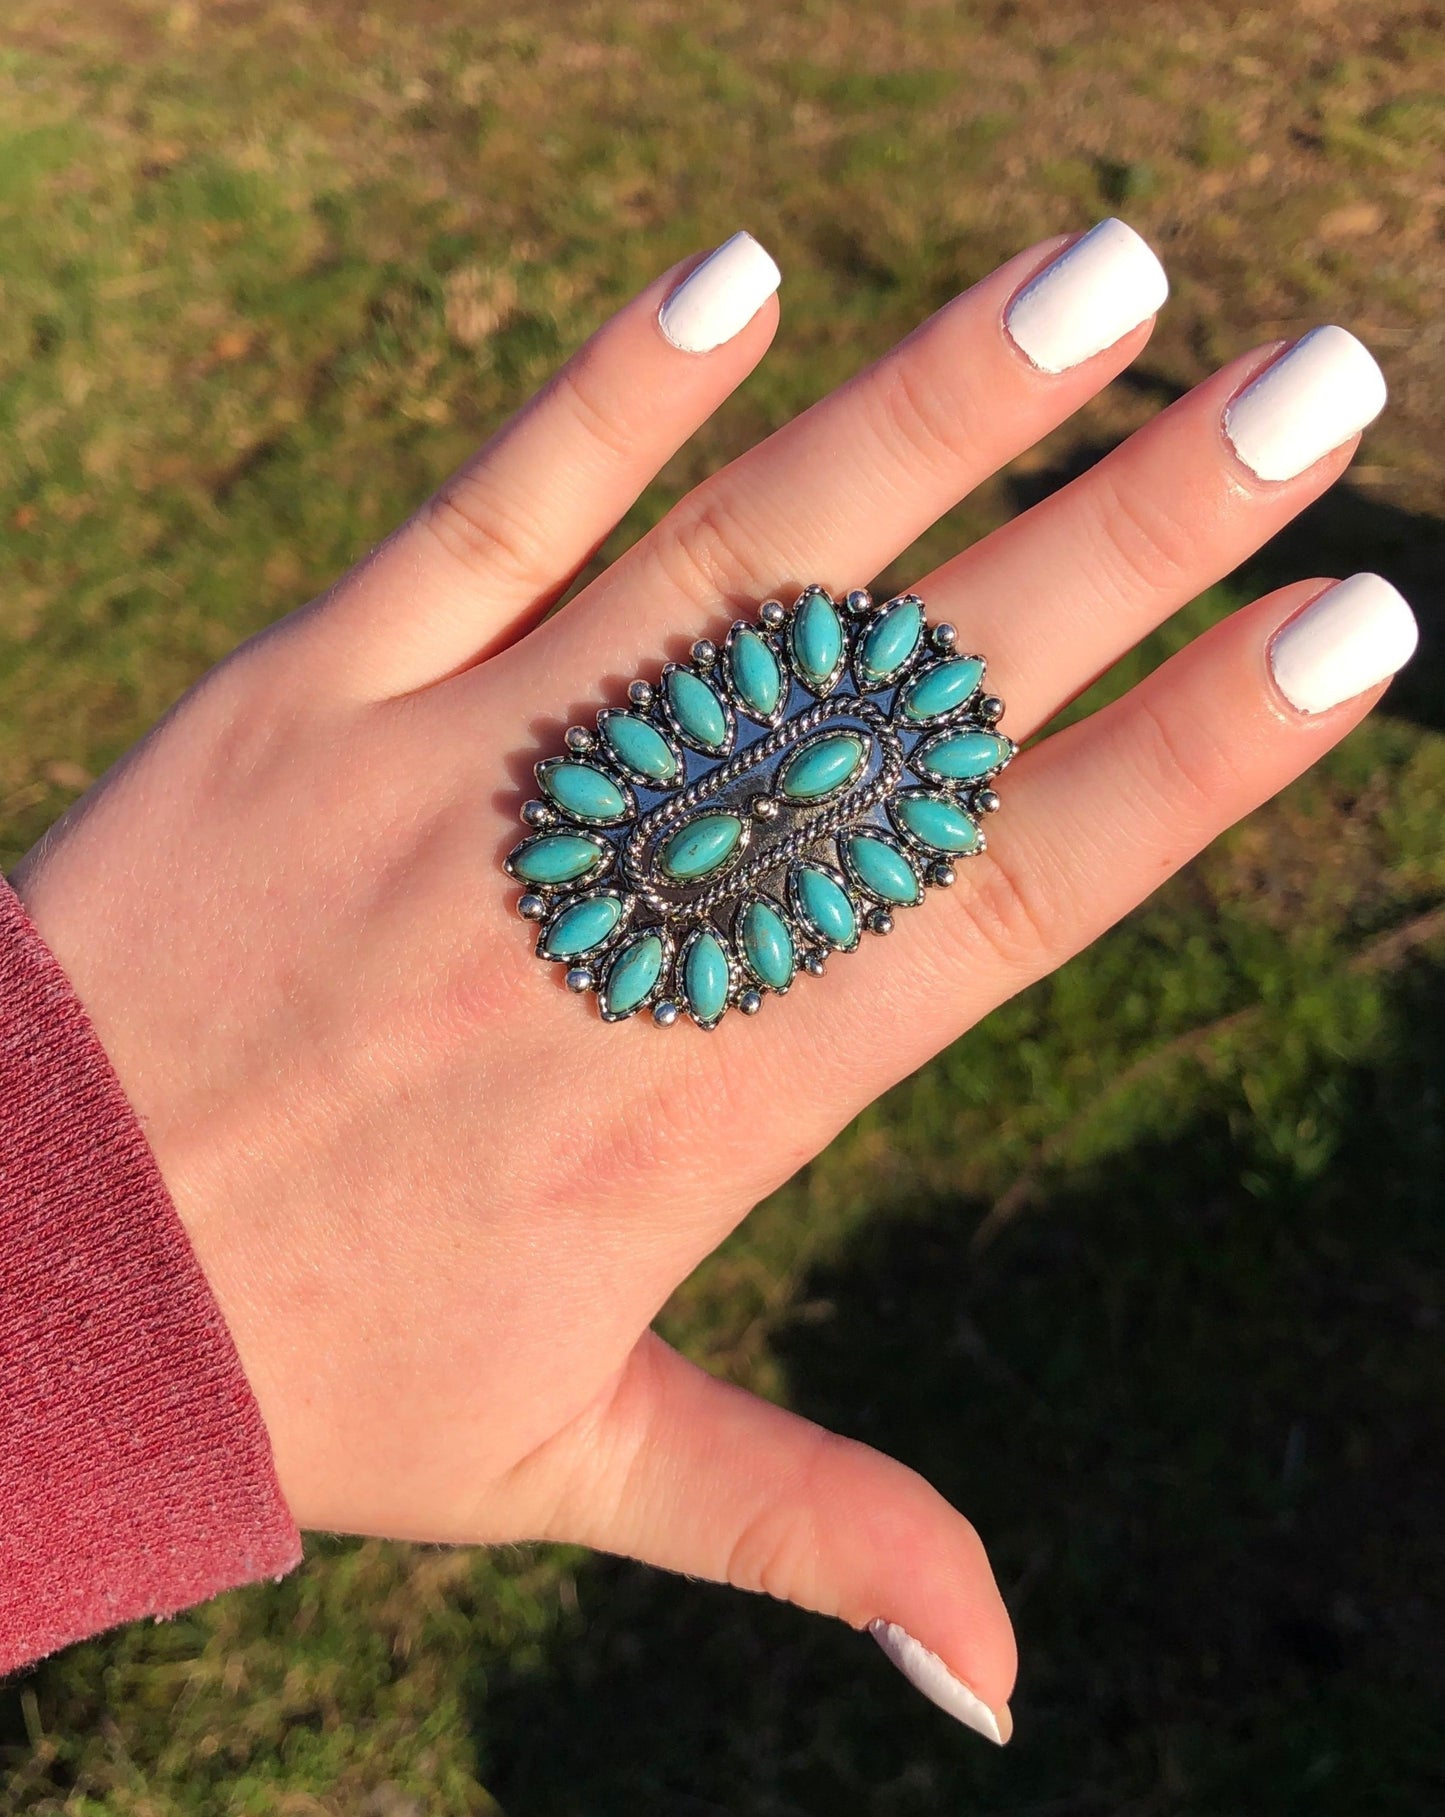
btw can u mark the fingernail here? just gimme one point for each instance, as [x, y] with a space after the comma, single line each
[1104, 284]
[720, 297]
[926, 1672]
[1354, 635]
[1315, 396]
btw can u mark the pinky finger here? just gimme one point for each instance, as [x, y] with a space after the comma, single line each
[489, 552]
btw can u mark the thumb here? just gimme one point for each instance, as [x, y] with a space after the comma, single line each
[682, 1470]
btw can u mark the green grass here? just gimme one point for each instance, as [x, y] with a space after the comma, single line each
[1145, 1272]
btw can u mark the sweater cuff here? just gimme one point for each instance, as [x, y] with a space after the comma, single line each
[136, 1475]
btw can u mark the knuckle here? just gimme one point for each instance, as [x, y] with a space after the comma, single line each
[476, 530]
[778, 1550]
[1183, 767]
[585, 390]
[920, 420]
[1145, 542]
[1020, 923]
[704, 550]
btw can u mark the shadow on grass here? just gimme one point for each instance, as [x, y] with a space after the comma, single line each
[1348, 530]
[1194, 1409]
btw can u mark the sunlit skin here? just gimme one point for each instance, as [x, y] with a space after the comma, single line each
[438, 1199]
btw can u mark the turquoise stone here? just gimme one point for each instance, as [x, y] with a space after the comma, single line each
[756, 674]
[640, 748]
[699, 847]
[942, 688]
[935, 821]
[822, 767]
[767, 945]
[889, 643]
[816, 640]
[555, 858]
[705, 977]
[884, 873]
[584, 790]
[634, 972]
[697, 709]
[960, 756]
[826, 907]
[580, 926]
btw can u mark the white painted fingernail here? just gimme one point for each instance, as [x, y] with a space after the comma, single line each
[1354, 635]
[1104, 284]
[1317, 395]
[720, 297]
[926, 1672]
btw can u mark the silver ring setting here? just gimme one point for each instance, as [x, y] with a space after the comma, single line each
[760, 807]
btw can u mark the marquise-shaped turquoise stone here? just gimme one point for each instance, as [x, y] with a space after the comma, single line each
[634, 972]
[699, 847]
[756, 674]
[883, 872]
[960, 756]
[553, 858]
[584, 790]
[822, 767]
[935, 821]
[889, 643]
[580, 926]
[826, 907]
[697, 709]
[942, 688]
[767, 945]
[640, 748]
[815, 638]
[705, 977]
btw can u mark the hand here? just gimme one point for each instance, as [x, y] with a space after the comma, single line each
[438, 1199]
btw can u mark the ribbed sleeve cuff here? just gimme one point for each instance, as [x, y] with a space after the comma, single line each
[136, 1476]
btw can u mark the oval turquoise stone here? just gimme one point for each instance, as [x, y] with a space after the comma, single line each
[826, 907]
[822, 767]
[699, 847]
[555, 858]
[705, 977]
[816, 639]
[767, 945]
[584, 790]
[697, 709]
[936, 821]
[941, 689]
[634, 972]
[640, 748]
[962, 755]
[882, 871]
[889, 643]
[756, 674]
[581, 926]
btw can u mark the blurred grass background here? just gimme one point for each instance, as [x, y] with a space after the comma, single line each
[1146, 1272]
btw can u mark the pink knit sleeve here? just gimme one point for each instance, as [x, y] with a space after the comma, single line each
[136, 1475]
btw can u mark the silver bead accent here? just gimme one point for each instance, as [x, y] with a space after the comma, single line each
[531, 907]
[942, 873]
[772, 614]
[750, 1002]
[640, 693]
[987, 801]
[990, 709]
[580, 739]
[880, 921]
[859, 600]
[538, 813]
[664, 1013]
[943, 638]
[580, 979]
[813, 964]
[704, 653]
[764, 808]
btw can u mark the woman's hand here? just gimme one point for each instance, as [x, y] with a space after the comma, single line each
[438, 1199]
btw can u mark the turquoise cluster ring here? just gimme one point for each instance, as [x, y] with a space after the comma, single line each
[760, 807]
